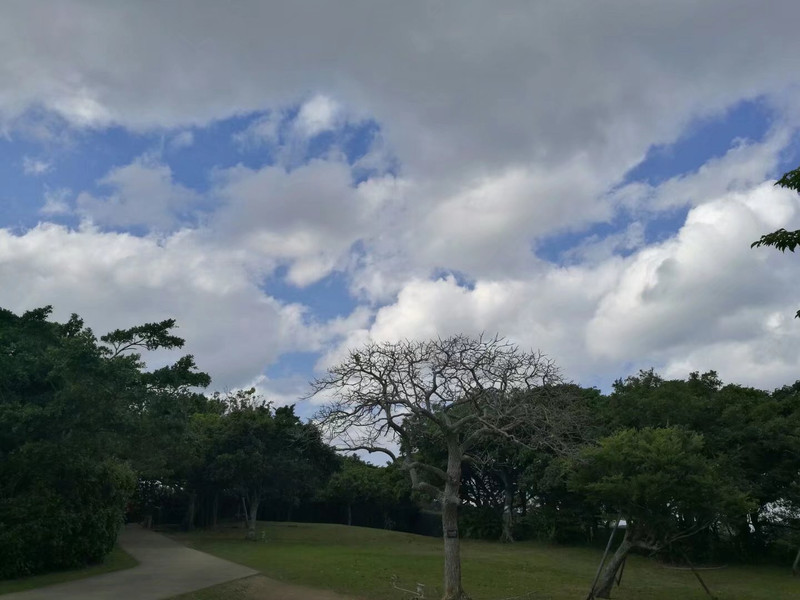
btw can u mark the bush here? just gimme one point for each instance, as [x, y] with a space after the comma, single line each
[69, 519]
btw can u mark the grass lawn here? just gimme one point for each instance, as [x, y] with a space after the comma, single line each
[361, 562]
[118, 559]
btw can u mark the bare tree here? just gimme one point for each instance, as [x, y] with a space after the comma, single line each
[386, 397]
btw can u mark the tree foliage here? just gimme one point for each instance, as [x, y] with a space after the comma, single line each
[661, 482]
[267, 454]
[782, 239]
[63, 487]
[73, 412]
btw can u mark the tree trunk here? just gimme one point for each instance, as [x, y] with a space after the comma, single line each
[349, 513]
[452, 546]
[190, 511]
[251, 521]
[796, 563]
[215, 510]
[507, 534]
[606, 581]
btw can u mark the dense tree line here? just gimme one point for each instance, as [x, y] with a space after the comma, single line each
[745, 442]
[694, 468]
[89, 437]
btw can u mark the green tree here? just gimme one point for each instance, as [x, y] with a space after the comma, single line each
[753, 434]
[267, 454]
[71, 411]
[661, 482]
[62, 486]
[359, 483]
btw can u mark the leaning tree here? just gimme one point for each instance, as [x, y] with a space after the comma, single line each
[391, 397]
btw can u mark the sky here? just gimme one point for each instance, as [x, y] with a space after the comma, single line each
[290, 180]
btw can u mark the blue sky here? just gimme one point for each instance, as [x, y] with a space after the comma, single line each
[288, 195]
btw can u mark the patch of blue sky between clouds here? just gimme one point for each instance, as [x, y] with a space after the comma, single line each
[704, 140]
[47, 158]
[789, 157]
[325, 299]
[290, 378]
[462, 279]
[292, 365]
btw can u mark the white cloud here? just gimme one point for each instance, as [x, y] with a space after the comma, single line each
[596, 249]
[697, 301]
[118, 280]
[472, 86]
[56, 202]
[744, 165]
[307, 217]
[33, 166]
[317, 115]
[141, 193]
[702, 285]
[265, 130]
[182, 139]
[502, 126]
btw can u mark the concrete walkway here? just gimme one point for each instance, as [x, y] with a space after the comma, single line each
[165, 569]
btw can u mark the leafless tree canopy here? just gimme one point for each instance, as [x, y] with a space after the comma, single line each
[454, 390]
[464, 386]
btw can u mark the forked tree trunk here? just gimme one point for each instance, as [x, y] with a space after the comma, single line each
[251, 519]
[452, 545]
[606, 581]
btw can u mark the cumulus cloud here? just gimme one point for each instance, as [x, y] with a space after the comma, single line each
[182, 139]
[119, 280]
[33, 166]
[498, 127]
[306, 218]
[317, 115]
[265, 130]
[56, 202]
[141, 193]
[699, 300]
[703, 285]
[473, 86]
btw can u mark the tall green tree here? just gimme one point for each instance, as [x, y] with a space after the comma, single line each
[358, 483]
[661, 482]
[71, 411]
[753, 433]
[268, 454]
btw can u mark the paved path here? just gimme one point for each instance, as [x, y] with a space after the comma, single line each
[166, 568]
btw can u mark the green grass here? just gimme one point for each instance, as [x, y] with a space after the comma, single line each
[118, 559]
[361, 562]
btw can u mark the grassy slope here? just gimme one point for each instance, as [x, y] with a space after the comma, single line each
[115, 561]
[361, 562]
